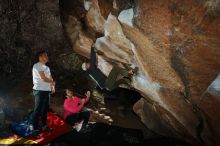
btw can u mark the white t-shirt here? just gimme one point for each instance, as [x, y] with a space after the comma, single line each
[39, 84]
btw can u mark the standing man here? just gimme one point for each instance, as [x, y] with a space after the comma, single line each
[43, 85]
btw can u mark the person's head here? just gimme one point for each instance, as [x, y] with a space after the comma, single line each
[42, 57]
[69, 93]
[85, 66]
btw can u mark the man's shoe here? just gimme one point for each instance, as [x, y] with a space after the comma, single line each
[78, 126]
[84, 129]
[135, 71]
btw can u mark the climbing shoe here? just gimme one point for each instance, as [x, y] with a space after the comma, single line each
[135, 71]
[85, 129]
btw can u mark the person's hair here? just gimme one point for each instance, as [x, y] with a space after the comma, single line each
[69, 89]
[64, 92]
[97, 35]
[41, 53]
[87, 61]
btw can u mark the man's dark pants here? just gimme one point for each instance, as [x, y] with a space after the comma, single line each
[112, 83]
[77, 117]
[41, 108]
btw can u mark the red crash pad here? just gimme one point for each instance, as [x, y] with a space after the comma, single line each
[59, 126]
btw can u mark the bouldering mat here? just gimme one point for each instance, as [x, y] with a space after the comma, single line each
[58, 125]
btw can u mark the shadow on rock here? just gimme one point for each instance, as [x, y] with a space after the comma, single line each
[100, 134]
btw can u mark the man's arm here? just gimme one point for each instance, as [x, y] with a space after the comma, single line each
[93, 57]
[52, 85]
[51, 78]
[45, 79]
[88, 95]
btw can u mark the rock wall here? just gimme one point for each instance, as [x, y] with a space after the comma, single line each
[175, 44]
[26, 28]
[188, 34]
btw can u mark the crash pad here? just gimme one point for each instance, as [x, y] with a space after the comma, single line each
[15, 139]
[22, 128]
[58, 125]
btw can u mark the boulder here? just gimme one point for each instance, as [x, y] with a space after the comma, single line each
[95, 21]
[175, 45]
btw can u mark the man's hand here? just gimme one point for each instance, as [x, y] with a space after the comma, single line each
[93, 45]
[53, 90]
[88, 94]
[100, 52]
[53, 83]
[82, 102]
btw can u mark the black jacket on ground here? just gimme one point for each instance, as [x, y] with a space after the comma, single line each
[94, 72]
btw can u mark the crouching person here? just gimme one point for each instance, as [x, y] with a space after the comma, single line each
[74, 111]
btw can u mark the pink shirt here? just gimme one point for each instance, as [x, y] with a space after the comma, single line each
[73, 105]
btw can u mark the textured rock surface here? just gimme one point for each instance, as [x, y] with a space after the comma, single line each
[175, 44]
[94, 19]
[187, 33]
[26, 28]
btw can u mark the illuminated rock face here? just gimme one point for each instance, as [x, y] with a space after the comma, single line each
[176, 46]
[93, 17]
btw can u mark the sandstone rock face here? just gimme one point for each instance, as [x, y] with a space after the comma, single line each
[127, 16]
[175, 45]
[118, 51]
[188, 32]
[94, 19]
